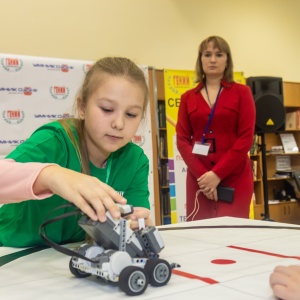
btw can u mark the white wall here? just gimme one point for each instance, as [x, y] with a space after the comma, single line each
[263, 34]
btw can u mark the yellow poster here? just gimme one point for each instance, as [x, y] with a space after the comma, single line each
[176, 82]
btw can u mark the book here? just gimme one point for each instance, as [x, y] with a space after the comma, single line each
[276, 150]
[254, 148]
[289, 143]
[284, 174]
[162, 115]
[254, 169]
[166, 203]
[283, 163]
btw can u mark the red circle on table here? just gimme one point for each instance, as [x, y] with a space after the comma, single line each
[223, 261]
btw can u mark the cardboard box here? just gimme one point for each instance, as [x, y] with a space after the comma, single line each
[292, 121]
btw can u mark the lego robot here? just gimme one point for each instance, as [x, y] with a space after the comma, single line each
[121, 255]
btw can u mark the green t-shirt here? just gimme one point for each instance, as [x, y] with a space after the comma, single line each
[20, 222]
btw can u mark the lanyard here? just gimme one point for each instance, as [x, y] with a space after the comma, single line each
[108, 167]
[212, 113]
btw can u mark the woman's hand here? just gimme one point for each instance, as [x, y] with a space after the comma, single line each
[88, 193]
[285, 282]
[208, 183]
[139, 213]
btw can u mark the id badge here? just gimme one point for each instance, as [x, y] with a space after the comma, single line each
[200, 148]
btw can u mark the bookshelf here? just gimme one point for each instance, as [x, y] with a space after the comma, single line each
[158, 209]
[163, 163]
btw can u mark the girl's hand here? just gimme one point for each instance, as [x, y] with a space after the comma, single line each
[139, 213]
[285, 282]
[88, 193]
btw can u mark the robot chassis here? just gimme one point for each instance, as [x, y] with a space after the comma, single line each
[121, 255]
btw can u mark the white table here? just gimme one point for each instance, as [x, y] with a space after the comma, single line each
[216, 263]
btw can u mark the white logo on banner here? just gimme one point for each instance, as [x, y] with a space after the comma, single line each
[59, 92]
[13, 116]
[11, 64]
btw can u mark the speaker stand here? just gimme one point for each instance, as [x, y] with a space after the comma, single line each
[266, 215]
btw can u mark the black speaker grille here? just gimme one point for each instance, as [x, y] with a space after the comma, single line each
[270, 113]
[268, 97]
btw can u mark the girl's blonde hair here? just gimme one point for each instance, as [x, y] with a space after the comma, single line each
[108, 66]
[223, 46]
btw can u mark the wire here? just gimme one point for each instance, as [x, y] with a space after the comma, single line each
[196, 207]
[228, 226]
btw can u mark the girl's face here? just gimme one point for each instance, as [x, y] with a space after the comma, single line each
[214, 61]
[112, 116]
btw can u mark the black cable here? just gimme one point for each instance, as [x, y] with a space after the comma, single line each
[57, 247]
[228, 226]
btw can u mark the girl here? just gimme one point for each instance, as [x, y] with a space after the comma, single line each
[89, 161]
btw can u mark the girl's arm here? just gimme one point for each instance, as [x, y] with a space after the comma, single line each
[24, 181]
[17, 180]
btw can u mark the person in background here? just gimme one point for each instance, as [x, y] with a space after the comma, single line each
[215, 130]
[285, 282]
[88, 160]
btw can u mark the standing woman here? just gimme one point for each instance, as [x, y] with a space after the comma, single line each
[215, 129]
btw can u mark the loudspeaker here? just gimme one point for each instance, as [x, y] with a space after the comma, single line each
[268, 97]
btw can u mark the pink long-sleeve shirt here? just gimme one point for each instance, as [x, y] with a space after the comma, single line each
[17, 179]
